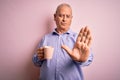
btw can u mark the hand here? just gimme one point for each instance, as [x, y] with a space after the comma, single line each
[80, 51]
[40, 53]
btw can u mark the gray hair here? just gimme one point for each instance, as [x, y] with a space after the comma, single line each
[63, 4]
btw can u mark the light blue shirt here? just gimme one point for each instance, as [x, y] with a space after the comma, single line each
[61, 66]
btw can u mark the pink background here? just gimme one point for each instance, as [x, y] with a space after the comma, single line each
[24, 22]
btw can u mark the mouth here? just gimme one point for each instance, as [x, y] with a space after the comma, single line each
[64, 24]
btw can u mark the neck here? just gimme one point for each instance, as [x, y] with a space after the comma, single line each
[61, 31]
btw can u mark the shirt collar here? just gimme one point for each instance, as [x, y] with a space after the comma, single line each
[68, 32]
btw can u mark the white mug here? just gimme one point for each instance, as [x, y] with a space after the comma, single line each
[48, 52]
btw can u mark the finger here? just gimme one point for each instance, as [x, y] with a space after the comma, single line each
[41, 48]
[67, 49]
[83, 39]
[82, 30]
[78, 39]
[40, 55]
[89, 42]
[86, 29]
[40, 52]
[86, 41]
[80, 35]
[88, 32]
[85, 34]
[88, 36]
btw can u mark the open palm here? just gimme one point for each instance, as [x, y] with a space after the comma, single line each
[80, 51]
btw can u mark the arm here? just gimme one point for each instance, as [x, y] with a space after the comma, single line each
[38, 57]
[81, 50]
[38, 62]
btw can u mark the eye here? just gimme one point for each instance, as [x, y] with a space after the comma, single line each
[68, 16]
[60, 15]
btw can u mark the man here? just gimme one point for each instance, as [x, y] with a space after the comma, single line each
[71, 51]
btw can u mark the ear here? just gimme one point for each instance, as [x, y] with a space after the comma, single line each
[54, 16]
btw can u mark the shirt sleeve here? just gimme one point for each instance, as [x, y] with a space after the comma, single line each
[35, 58]
[37, 61]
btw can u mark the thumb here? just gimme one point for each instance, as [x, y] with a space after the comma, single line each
[67, 49]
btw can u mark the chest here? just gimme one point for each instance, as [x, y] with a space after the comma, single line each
[58, 41]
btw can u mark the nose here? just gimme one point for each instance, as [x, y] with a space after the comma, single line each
[64, 18]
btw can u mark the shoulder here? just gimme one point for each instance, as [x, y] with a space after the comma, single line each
[48, 34]
[45, 39]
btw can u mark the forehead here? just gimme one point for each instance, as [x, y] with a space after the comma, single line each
[64, 10]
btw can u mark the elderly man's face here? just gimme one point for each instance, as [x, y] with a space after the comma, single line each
[63, 18]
